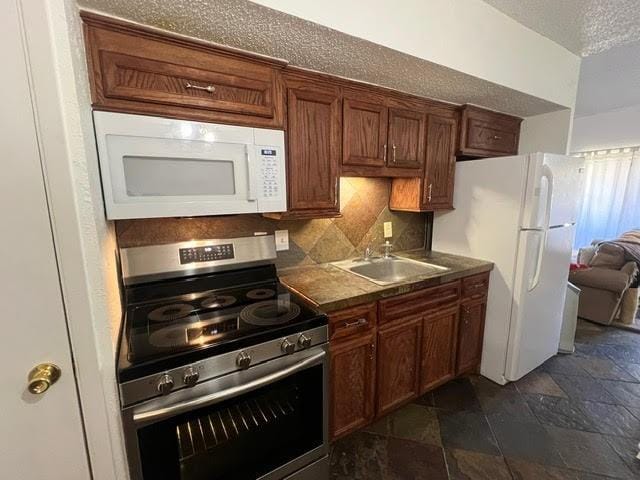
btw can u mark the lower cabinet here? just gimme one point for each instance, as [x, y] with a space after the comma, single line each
[398, 363]
[439, 345]
[385, 354]
[472, 313]
[353, 373]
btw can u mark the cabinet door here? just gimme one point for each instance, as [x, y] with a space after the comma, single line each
[352, 383]
[398, 364]
[406, 138]
[314, 138]
[365, 133]
[438, 355]
[134, 71]
[471, 333]
[440, 163]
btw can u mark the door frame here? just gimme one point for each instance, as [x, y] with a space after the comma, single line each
[84, 241]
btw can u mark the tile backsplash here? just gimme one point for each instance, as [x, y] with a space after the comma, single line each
[364, 206]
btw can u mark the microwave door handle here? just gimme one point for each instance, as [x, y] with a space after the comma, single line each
[250, 196]
[217, 397]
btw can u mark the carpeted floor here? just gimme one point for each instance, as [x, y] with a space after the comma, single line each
[576, 417]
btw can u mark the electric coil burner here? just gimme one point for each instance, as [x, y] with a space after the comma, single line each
[218, 358]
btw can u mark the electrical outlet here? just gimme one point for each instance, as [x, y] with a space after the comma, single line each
[282, 239]
[388, 230]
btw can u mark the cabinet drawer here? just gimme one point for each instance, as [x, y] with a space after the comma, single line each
[487, 136]
[138, 72]
[352, 321]
[475, 286]
[413, 303]
[485, 133]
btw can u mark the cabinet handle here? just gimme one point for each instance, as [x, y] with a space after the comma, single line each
[429, 192]
[384, 152]
[208, 88]
[357, 323]
[372, 351]
[497, 137]
[393, 147]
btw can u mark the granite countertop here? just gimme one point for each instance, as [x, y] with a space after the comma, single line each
[331, 288]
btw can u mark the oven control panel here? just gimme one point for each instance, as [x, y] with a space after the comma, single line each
[208, 253]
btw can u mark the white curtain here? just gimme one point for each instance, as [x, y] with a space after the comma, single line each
[611, 202]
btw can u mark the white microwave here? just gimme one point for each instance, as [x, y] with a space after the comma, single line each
[160, 167]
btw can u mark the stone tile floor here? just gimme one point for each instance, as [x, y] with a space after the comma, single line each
[576, 417]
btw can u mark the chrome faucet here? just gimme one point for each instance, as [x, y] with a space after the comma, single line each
[368, 253]
[387, 246]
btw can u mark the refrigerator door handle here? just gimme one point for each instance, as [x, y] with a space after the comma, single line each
[548, 174]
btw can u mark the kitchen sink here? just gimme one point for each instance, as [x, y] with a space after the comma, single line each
[386, 271]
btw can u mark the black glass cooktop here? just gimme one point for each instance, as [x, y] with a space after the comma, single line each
[170, 324]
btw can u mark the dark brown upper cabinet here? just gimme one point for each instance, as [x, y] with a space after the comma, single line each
[365, 132]
[434, 190]
[135, 69]
[484, 133]
[406, 138]
[383, 136]
[314, 137]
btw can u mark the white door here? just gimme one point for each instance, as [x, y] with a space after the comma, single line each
[41, 435]
[539, 294]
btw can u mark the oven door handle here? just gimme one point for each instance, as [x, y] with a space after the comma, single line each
[217, 397]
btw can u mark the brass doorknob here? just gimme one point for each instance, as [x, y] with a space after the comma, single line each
[42, 377]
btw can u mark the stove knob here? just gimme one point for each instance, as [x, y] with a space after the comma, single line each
[190, 377]
[288, 346]
[165, 384]
[243, 360]
[304, 341]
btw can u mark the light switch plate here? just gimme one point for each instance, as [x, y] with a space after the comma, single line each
[282, 240]
[388, 230]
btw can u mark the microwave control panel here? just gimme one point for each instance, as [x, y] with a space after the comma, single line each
[269, 172]
[208, 253]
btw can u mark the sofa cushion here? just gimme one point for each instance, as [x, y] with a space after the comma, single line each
[608, 256]
[602, 278]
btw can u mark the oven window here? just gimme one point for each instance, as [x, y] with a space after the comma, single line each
[168, 177]
[243, 438]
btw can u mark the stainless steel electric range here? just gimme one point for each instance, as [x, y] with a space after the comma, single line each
[222, 369]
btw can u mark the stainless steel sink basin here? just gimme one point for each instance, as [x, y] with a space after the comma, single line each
[386, 271]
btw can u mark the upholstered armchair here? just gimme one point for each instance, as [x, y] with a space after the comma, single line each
[604, 283]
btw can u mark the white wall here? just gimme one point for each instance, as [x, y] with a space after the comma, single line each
[466, 35]
[549, 133]
[618, 128]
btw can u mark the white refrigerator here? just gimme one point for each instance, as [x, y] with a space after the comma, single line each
[520, 213]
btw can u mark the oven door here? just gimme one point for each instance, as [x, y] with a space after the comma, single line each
[266, 422]
[158, 167]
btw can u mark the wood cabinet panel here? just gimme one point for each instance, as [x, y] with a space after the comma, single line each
[434, 190]
[365, 132]
[398, 364]
[352, 321]
[475, 285]
[134, 69]
[406, 138]
[439, 344]
[471, 334]
[484, 133]
[415, 303]
[440, 163]
[352, 384]
[314, 138]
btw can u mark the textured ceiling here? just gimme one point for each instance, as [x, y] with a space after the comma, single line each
[246, 25]
[584, 27]
[609, 80]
